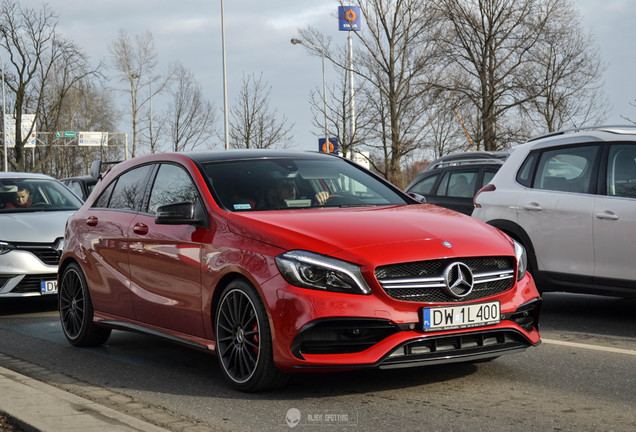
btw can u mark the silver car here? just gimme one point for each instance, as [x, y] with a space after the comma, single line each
[33, 212]
[570, 199]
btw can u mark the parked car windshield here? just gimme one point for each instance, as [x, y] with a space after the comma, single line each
[283, 183]
[27, 195]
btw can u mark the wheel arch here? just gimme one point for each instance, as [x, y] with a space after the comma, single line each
[519, 234]
[225, 280]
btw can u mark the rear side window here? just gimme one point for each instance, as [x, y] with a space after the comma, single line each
[75, 187]
[621, 171]
[488, 175]
[458, 184]
[566, 169]
[524, 176]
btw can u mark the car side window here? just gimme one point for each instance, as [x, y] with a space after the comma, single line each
[425, 186]
[459, 184]
[104, 197]
[127, 190]
[621, 171]
[524, 176]
[172, 185]
[75, 187]
[566, 169]
[488, 175]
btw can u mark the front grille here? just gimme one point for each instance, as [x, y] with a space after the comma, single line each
[47, 253]
[423, 281]
[31, 283]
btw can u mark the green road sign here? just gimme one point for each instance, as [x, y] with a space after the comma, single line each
[69, 134]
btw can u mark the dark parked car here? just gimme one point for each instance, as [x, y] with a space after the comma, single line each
[453, 180]
[82, 185]
[283, 261]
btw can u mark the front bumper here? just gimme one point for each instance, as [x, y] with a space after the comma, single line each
[355, 331]
[22, 271]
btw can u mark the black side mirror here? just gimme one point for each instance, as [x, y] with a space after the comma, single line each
[183, 213]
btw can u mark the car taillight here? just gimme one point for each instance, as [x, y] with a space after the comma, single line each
[488, 188]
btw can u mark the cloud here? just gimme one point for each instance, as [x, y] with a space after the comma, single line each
[186, 26]
[301, 18]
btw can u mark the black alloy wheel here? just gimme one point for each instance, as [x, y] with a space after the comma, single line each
[76, 310]
[243, 339]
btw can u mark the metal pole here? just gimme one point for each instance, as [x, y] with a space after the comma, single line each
[4, 118]
[152, 146]
[324, 86]
[227, 132]
[353, 100]
[324, 95]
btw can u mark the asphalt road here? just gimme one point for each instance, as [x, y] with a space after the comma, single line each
[581, 378]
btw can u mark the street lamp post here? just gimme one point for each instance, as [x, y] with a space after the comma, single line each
[4, 119]
[152, 146]
[324, 86]
[225, 113]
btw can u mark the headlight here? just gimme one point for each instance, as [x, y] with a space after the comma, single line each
[522, 260]
[5, 247]
[310, 270]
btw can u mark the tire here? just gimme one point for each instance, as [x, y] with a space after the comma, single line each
[76, 310]
[244, 340]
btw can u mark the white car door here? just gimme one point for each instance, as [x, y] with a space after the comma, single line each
[615, 216]
[557, 212]
[561, 226]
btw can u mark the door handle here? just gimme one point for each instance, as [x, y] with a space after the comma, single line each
[92, 221]
[533, 206]
[607, 215]
[141, 229]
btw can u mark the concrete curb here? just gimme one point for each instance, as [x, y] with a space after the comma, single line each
[37, 406]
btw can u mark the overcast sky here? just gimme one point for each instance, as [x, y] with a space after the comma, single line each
[258, 37]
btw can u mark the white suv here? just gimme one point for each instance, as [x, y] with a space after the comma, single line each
[570, 199]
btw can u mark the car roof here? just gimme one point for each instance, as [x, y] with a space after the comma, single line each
[214, 155]
[593, 131]
[465, 158]
[579, 135]
[24, 175]
[84, 178]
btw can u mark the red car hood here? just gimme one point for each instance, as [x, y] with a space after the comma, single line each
[378, 235]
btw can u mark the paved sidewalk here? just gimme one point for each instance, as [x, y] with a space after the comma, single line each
[41, 407]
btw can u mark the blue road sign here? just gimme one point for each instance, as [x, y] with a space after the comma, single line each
[349, 18]
[333, 145]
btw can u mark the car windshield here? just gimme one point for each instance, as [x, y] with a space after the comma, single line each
[284, 183]
[31, 194]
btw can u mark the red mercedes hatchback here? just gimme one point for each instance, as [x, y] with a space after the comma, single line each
[287, 261]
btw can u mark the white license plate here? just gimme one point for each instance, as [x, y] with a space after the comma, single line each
[458, 317]
[48, 287]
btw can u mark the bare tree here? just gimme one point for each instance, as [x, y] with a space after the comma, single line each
[629, 119]
[396, 63]
[88, 106]
[339, 115]
[566, 61]
[136, 61]
[190, 116]
[253, 124]
[39, 60]
[490, 41]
